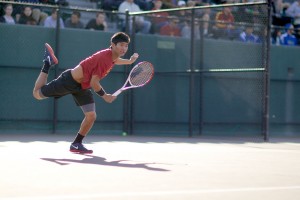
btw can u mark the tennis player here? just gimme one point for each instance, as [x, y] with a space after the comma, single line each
[80, 80]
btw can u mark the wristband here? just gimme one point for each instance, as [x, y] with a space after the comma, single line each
[101, 92]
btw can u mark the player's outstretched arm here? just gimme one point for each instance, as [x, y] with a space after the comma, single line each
[133, 58]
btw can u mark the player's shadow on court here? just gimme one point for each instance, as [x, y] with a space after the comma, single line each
[96, 160]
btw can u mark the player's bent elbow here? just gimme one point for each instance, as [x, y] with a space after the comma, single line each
[36, 95]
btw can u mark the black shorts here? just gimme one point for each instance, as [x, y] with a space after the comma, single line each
[65, 84]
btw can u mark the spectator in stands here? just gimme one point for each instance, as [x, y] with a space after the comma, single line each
[262, 35]
[142, 25]
[74, 21]
[7, 17]
[111, 4]
[250, 14]
[188, 13]
[172, 28]
[51, 20]
[206, 16]
[278, 9]
[18, 9]
[190, 3]
[26, 16]
[276, 6]
[99, 23]
[144, 4]
[181, 3]
[294, 11]
[159, 19]
[288, 38]
[187, 30]
[169, 4]
[275, 38]
[224, 27]
[182, 14]
[200, 2]
[248, 36]
[38, 15]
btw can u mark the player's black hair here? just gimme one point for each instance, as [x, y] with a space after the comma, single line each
[120, 37]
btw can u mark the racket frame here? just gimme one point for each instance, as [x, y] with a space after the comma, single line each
[128, 79]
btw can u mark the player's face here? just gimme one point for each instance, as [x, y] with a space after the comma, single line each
[121, 48]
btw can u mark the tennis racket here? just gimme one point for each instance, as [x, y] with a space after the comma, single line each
[139, 76]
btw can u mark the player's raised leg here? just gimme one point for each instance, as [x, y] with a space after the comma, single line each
[49, 60]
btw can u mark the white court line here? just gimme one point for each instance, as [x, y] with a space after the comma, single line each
[153, 193]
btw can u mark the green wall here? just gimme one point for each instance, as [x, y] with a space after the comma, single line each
[231, 102]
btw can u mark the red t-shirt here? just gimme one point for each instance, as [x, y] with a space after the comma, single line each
[98, 64]
[222, 17]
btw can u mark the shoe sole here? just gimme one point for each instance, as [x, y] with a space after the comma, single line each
[51, 52]
[82, 152]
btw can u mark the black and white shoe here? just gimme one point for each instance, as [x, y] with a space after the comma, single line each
[79, 148]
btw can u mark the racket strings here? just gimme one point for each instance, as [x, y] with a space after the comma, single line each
[141, 74]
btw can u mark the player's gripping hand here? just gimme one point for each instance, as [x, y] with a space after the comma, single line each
[134, 57]
[109, 98]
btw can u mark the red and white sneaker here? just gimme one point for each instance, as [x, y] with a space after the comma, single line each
[49, 55]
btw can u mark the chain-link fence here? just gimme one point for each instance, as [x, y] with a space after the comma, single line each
[211, 68]
[221, 59]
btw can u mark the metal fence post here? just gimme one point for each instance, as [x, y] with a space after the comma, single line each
[267, 77]
[126, 71]
[57, 36]
[192, 79]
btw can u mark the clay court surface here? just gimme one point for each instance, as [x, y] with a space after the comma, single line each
[40, 167]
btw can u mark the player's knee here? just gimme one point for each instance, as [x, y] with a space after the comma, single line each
[91, 116]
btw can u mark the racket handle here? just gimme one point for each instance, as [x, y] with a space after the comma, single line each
[117, 93]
